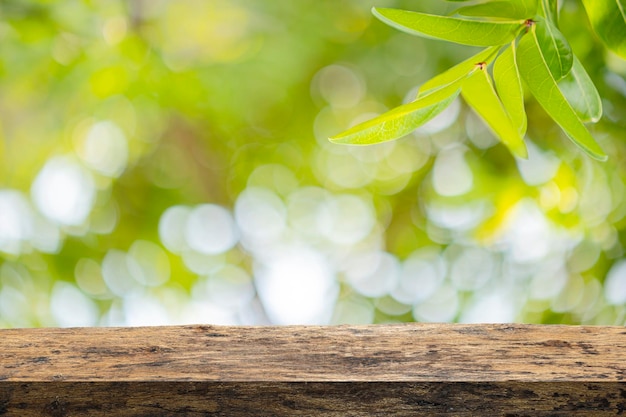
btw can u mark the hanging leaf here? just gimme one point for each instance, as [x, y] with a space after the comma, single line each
[463, 31]
[458, 71]
[479, 93]
[581, 93]
[515, 9]
[555, 48]
[608, 20]
[509, 86]
[542, 84]
[400, 121]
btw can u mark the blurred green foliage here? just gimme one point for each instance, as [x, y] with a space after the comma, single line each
[167, 162]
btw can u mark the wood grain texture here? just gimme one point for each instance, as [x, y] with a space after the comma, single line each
[390, 370]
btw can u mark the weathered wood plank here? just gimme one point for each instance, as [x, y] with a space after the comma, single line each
[394, 370]
[336, 399]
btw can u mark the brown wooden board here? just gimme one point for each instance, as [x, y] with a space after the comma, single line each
[380, 370]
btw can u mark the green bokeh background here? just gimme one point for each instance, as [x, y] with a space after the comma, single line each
[113, 114]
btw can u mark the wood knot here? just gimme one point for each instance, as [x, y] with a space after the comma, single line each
[56, 408]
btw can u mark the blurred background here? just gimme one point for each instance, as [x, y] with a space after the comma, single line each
[167, 162]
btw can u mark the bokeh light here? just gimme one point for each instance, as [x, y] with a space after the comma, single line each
[64, 192]
[168, 162]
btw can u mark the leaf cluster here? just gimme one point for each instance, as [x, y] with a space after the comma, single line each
[524, 47]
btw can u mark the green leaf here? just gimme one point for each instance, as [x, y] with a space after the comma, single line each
[608, 20]
[463, 31]
[515, 9]
[509, 87]
[550, 11]
[581, 93]
[554, 48]
[456, 72]
[535, 71]
[400, 121]
[479, 93]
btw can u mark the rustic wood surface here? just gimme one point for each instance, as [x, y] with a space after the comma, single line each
[382, 370]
